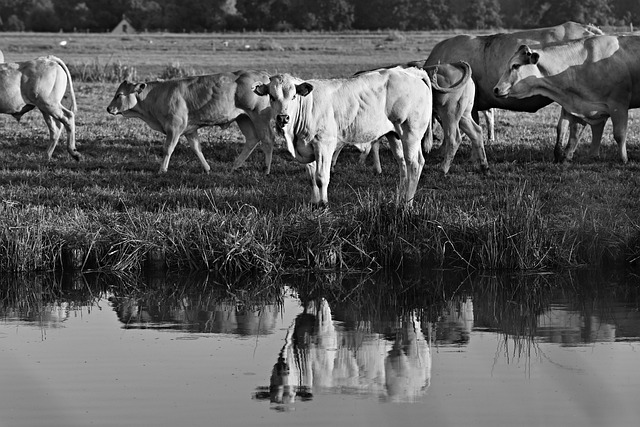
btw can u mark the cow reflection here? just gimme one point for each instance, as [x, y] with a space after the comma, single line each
[195, 315]
[320, 356]
[456, 322]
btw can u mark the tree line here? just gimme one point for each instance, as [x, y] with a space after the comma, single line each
[308, 15]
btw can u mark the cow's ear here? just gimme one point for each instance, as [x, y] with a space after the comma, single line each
[260, 89]
[140, 87]
[304, 89]
[535, 57]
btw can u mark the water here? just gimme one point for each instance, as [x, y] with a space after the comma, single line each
[321, 352]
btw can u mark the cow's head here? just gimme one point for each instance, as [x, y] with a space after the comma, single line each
[126, 97]
[282, 90]
[521, 65]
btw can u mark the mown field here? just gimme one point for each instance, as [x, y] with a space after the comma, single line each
[113, 211]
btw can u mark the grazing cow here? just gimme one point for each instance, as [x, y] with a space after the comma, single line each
[182, 106]
[453, 94]
[41, 83]
[1, 57]
[593, 79]
[316, 116]
[488, 56]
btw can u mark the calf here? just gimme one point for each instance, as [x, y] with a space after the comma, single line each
[182, 106]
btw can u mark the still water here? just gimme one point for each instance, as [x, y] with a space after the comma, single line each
[321, 351]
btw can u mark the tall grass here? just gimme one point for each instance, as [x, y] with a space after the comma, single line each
[94, 71]
[513, 232]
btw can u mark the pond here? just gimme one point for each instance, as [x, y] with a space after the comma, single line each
[321, 350]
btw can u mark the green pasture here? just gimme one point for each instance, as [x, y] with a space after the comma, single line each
[113, 212]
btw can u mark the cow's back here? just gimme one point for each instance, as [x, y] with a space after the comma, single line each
[488, 56]
[366, 106]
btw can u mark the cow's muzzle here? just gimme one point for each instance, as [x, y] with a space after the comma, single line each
[498, 93]
[112, 110]
[282, 120]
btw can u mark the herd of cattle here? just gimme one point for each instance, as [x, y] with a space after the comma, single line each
[592, 76]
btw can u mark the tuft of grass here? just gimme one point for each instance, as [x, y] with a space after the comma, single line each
[94, 71]
[176, 71]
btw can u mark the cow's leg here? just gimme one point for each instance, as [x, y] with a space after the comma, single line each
[490, 120]
[170, 142]
[474, 132]
[315, 191]
[596, 138]
[576, 129]
[442, 148]
[561, 132]
[396, 149]
[452, 139]
[194, 142]
[375, 149]
[67, 118]
[412, 151]
[251, 141]
[336, 154]
[620, 120]
[55, 129]
[323, 151]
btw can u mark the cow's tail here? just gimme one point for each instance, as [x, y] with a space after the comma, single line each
[72, 94]
[427, 139]
[433, 72]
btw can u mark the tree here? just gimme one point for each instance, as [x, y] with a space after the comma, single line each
[42, 17]
[431, 15]
[599, 12]
[482, 14]
[14, 24]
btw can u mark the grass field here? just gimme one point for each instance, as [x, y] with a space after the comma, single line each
[112, 211]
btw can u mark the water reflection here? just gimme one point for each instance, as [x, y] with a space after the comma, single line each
[320, 356]
[369, 336]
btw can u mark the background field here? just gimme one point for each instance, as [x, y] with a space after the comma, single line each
[587, 211]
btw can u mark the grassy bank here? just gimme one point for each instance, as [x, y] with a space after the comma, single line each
[112, 211]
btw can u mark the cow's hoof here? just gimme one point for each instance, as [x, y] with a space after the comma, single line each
[76, 156]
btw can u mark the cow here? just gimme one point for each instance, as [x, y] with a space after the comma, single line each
[182, 106]
[488, 56]
[453, 95]
[315, 116]
[41, 83]
[593, 79]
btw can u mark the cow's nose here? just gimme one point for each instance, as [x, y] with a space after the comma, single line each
[282, 120]
[110, 110]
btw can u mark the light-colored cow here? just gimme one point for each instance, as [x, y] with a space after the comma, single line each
[182, 106]
[593, 79]
[316, 116]
[41, 83]
[453, 95]
[488, 55]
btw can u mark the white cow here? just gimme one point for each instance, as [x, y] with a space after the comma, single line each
[316, 116]
[594, 78]
[41, 83]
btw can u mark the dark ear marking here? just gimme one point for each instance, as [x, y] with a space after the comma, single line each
[303, 89]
